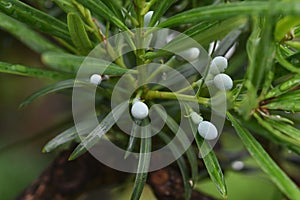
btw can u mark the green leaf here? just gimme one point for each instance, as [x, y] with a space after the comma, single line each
[286, 129]
[47, 90]
[223, 11]
[275, 132]
[35, 18]
[284, 87]
[181, 164]
[94, 136]
[32, 72]
[289, 101]
[159, 11]
[265, 162]
[143, 164]
[63, 138]
[66, 5]
[284, 63]
[132, 139]
[284, 26]
[100, 9]
[72, 63]
[203, 33]
[210, 159]
[29, 37]
[78, 34]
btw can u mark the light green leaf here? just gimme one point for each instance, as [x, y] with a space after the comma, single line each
[265, 162]
[35, 18]
[78, 34]
[284, 26]
[143, 164]
[32, 72]
[29, 37]
[72, 63]
[132, 139]
[94, 136]
[47, 90]
[284, 87]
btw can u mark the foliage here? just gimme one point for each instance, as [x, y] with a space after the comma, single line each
[265, 66]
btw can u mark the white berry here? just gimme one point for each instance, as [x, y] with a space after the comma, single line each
[223, 82]
[95, 79]
[207, 130]
[139, 110]
[218, 65]
[196, 118]
[190, 54]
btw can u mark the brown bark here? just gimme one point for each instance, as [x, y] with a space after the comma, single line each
[66, 180]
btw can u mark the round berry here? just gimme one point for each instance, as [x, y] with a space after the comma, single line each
[196, 118]
[218, 65]
[95, 79]
[207, 130]
[190, 54]
[139, 110]
[223, 82]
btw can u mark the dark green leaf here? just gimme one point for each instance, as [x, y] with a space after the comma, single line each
[72, 63]
[223, 11]
[35, 18]
[160, 9]
[47, 90]
[266, 163]
[100, 9]
[32, 72]
[78, 34]
[29, 37]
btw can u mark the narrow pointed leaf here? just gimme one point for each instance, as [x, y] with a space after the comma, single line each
[160, 9]
[100, 9]
[27, 36]
[63, 138]
[284, 26]
[78, 34]
[71, 63]
[132, 139]
[94, 136]
[223, 11]
[265, 162]
[22, 70]
[47, 90]
[35, 18]
[143, 164]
